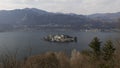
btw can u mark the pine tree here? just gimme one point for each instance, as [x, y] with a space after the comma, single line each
[95, 45]
[108, 50]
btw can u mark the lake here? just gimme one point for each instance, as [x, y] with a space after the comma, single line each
[24, 42]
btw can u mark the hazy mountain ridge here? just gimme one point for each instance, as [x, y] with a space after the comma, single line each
[109, 17]
[35, 18]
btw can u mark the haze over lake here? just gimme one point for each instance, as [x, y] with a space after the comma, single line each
[10, 42]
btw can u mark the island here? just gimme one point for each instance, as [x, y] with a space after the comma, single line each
[60, 38]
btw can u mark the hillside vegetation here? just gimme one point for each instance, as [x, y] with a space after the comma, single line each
[35, 19]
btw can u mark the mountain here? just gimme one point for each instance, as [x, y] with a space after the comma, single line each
[19, 15]
[108, 17]
[36, 18]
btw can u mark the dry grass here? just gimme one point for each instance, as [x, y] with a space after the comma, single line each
[117, 55]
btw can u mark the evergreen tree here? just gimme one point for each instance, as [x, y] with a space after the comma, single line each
[108, 50]
[95, 45]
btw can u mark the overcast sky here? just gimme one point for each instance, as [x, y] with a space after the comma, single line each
[65, 6]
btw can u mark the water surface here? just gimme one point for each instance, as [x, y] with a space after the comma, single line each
[10, 42]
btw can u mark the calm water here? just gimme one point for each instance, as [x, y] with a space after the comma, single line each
[10, 42]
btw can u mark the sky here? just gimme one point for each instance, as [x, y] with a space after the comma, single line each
[64, 6]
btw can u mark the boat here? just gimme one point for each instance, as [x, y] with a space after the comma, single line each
[60, 38]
